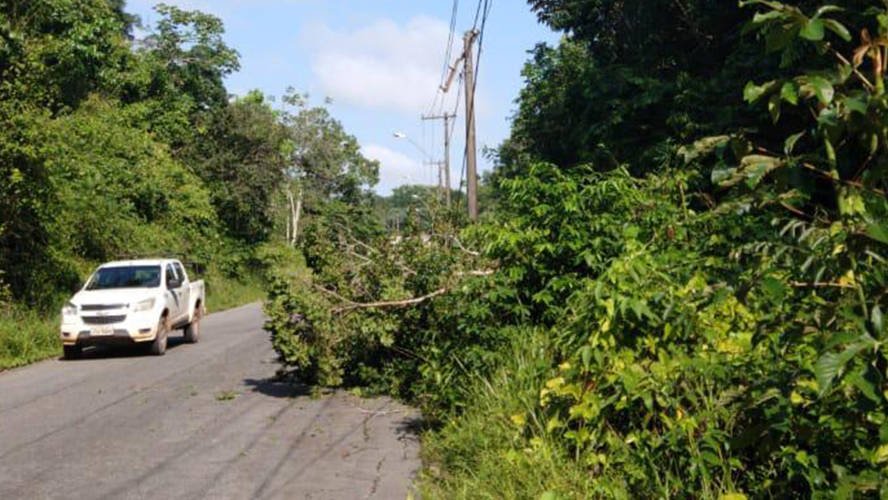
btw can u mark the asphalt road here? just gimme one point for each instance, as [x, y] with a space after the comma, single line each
[206, 420]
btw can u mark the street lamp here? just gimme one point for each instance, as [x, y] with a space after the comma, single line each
[402, 135]
[428, 158]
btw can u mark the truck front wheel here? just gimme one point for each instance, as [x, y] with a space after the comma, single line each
[159, 346]
[192, 331]
[72, 351]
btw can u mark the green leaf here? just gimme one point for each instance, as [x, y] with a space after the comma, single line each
[812, 30]
[877, 320]
[789, 93]
[586, 355]
[774, 107]
[830, 364]
[767, 3]
[826, 369]
[837, 28]
[789, 144]
[863, 380]
[878, 232]
[819, 87]
[702, 147]
[753, 168]
[753, 92]
[774, 289]
[855, 105]
[828, 117]
[826, 9]
[764, 17]
[779, 39]
[722, 175]
[733, 496]
[756, 167]
[755, 173]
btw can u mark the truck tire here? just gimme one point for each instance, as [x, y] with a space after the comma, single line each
[72, 351]
[159, 346]
[192, 330]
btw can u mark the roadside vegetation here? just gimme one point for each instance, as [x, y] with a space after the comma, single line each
[677, 290]
[680, 291]
[117, 142]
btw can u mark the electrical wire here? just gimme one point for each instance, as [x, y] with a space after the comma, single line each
[488, 4]
[478, 13]
[439, 94]
[450, 38]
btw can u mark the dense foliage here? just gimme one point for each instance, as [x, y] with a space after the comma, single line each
[113, 146]
[681, 291]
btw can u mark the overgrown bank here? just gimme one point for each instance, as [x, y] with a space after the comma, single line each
[703, 320]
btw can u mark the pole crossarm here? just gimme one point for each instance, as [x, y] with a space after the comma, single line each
[444, 168]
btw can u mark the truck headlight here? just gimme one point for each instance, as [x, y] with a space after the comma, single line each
[70, 309]
[145, 305]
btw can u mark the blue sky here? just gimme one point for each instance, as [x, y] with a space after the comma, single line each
[380, 61]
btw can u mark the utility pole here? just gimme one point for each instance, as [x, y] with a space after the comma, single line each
[445, 183]
[468, 59]
[471, 149]
[439, 165]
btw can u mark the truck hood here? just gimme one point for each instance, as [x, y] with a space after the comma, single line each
[121, 296]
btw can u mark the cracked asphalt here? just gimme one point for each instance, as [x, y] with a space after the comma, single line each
[206, 420]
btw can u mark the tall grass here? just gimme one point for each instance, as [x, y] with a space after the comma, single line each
[225, 292]
[485, 453]
[26, 337]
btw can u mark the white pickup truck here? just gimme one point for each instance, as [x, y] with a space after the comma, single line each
[134, 302]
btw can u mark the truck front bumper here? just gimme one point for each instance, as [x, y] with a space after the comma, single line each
[139, 329]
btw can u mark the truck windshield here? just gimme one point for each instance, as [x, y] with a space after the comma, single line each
[125, 277]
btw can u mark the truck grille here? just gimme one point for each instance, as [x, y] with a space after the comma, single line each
[103, 320]
[101, 307]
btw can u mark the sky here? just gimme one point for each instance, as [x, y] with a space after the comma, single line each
[380, 62]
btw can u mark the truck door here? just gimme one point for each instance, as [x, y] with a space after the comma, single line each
[174, 295]
[186, 291]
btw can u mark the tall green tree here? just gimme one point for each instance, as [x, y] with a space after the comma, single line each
[53, 53]
[329, 179]
[242, 156]
[631, 81]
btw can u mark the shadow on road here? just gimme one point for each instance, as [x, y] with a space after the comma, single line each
[122, 351]
[411, 426]
[278, 388]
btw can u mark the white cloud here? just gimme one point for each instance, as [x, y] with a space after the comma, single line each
[382, 65]
[395, 169]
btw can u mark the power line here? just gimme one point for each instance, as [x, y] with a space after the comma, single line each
[471, 64]
[477, 13]
[450, 37]
[488, 4]
[448, 53]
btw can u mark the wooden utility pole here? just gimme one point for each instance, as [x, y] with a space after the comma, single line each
[468, 59]
[445, 183]
[471, 149]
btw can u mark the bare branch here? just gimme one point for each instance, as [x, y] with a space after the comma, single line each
[799, 284]
[464, 249]
[856, 184]
[483, 272]
[857, 73]
[394, 303]
[335, 295]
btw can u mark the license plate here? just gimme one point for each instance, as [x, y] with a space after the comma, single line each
[102, 331]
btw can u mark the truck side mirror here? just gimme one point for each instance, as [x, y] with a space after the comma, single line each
[174, 283]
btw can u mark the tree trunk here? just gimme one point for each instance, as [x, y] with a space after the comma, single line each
[289, 216]
[297, 214]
